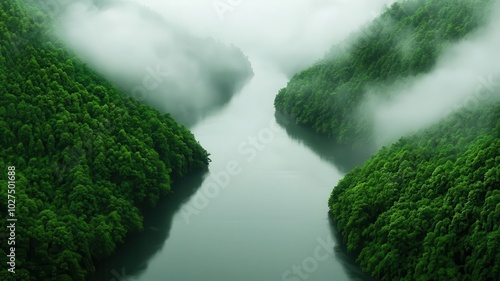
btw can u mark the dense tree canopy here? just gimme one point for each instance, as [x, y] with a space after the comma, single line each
[428, 207]
[87, 159]
[403, 42]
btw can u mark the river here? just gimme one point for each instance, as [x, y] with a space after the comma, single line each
[261, 213]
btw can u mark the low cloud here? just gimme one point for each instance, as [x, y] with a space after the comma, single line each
[466, 76]
[290, 35]
[153, 59]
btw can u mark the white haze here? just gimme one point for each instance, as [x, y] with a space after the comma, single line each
[291, 35]
[150, 58]
[120, 40]
[127, 44]
[465, 76]
[287, 35]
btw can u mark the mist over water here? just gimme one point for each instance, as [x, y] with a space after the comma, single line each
[154, 60]
[184, 57]
[289, 34]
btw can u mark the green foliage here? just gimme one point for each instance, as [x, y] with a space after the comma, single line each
[403, 43]
[87, 159]
[428, 207]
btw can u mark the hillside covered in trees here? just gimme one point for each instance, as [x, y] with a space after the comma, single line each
[403, 42]
[428, 207]
[86, 157]
[195, 76]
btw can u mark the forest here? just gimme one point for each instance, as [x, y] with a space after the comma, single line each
[428, 207]
[83, 160]
[402, 43]
[87, 158]
[199, 74]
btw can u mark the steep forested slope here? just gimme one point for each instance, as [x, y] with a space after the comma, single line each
[404, 42]
[194, 76]
[428, 207]
[86, 158]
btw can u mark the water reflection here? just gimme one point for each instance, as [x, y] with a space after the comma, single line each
[190, 116]
[132, 257]
[347, 260]
[344, 156]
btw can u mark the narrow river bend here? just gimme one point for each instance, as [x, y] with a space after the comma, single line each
[262, 218]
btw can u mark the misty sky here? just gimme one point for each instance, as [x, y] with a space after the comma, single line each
[289, 34]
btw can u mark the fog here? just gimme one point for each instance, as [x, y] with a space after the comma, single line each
[153, 59]
[290, 35]
[465, 77]
[153, 49]
[157, 50]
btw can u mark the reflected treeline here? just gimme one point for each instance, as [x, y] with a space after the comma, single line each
[227, 87]
[143, 246]
[347, 260]
[344, 156]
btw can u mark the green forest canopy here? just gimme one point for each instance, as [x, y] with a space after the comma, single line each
[428, 207]
[402, 43]
[87, 159]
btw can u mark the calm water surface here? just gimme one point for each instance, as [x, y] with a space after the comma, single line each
[260, 214]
